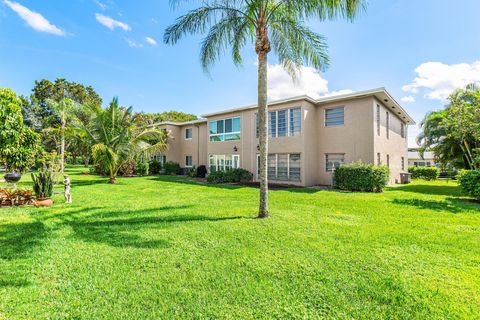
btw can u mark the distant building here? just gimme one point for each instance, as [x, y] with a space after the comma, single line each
[415, 158]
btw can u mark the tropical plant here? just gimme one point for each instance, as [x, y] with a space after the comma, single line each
[269, 24]
[18, 144]
[453, 133]
[230, 176]
[172, 168]
[116, 139]
[43, 183]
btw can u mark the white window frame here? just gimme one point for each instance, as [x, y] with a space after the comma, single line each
[276, 167]
[186, 162]
[186, 135]
[325, 117]
[288, 110]
[333, 154]
[224, 133]
[217, 157]
[387, 125]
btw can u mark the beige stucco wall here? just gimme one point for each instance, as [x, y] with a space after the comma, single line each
[357, 139]
[395, 146]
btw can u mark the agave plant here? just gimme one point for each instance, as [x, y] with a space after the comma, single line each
[43, 183]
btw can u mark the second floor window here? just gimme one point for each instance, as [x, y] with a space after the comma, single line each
[335, 117]
[378, 119]
[188, 133]
[225, 130]
[402, 130]
[388, 125]
[283, 123]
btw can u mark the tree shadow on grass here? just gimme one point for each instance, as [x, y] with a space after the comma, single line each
[125, 228]
[18, 240]
[453, 191]
[453, 205]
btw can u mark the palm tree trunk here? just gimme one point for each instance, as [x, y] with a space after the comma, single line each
[263, 128]
[62, 146]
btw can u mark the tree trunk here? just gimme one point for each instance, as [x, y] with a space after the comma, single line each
[62, 146]
[263, 133]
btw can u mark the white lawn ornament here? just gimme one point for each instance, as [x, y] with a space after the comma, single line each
[67, 186]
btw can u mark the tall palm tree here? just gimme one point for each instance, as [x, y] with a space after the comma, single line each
[63, 109]
[116, 139]
[269, 24]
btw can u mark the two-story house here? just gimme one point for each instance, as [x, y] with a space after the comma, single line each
[308, 138]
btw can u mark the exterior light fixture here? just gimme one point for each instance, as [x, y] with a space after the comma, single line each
[235, 149]
[258, 147]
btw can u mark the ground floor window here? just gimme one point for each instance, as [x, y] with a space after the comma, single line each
[188, 161]
[422, 164]
[222, 162]
[283, 166]
[333, 161]
[160, 158]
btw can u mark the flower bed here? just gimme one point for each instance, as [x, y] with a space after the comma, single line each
[16, 197]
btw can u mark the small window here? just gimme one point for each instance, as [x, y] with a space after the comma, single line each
[335, 117]
[388, 160]
[188, 133]
[333, 161]
[402, 130]
[379, 159]
[188, 161]
[403, 163]
[388, 125]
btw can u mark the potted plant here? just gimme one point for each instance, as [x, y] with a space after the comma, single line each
[43, 187]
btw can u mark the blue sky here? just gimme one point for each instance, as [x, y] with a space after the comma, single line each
[418, 50]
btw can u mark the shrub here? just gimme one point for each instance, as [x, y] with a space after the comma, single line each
[43, 183]
[361, 176]
[230, 176]
[192, 172]
[470, 182]
[427, 173]
[201, 172]
[128, 168]
[172, 168]
[155, 167]
[143, 168]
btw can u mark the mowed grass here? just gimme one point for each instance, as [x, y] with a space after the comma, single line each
[164, 247]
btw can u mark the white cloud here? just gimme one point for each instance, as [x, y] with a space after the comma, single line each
[281, 85]
[309, 82]
[34, 19]
[408, 99]
[111, 23]
[102, 5]
[151, 41]
[133, 44]
[440, 79]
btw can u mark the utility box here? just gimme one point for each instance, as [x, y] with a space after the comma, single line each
[405, 177]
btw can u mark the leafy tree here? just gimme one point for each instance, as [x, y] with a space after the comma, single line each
[18, 144]
[116, 139]
[453, 133]
[173, 116]
[270, 24]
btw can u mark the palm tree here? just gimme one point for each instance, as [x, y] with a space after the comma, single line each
[63, 109]
[116, 139]
[269, 24]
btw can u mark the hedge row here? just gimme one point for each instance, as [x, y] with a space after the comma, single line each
[470, 182]
[361, 176]
[427, 173]
[230, 176]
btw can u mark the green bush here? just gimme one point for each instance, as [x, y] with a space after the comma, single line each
[427, 173]
[230, 176]
[470, 182]
[192, 172]
[172, 168]
[128, 168]
[143, 168]
[361, 176]
[155, 167]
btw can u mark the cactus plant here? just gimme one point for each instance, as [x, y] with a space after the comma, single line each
[43, 183]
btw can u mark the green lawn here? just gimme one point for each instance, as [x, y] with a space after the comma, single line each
[163, 247]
